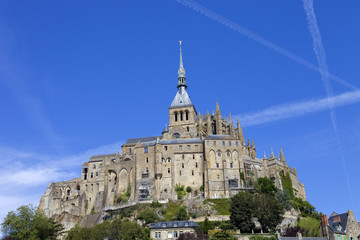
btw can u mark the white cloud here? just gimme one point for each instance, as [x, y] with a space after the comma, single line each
[294, 109]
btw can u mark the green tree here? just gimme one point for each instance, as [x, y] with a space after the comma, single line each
[182, 214]
[180, 191]
[78, 233]
[241, 211]
[148, 215]
[28, 223]
[206, 226]
[266, 186]
[188, 189]
[284, 199]
[310, 226]
[222, 235]
[268, 211]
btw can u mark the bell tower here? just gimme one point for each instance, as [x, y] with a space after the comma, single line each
[182, 112]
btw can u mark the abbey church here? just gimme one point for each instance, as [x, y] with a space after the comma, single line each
[205, 152]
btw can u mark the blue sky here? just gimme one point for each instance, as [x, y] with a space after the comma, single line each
[80, 77]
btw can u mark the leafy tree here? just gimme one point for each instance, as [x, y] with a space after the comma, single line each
[182, 214]
[257, 237]
[148, 215]
[241, 211]
[311, 226]
[180, 191]
[268, 211]
[227, 226]
[222, 235]
[28, 223]
[284, 199]
[287, 184]
[78, 233]
[266, 186]
[206, 226]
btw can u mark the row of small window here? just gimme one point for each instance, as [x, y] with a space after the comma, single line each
[92, 187]
[92, 174]
[188, 147]
[227, 154]
[94, 166]
[223, 143]
[231, 165]
[170, 234]
[178, 115]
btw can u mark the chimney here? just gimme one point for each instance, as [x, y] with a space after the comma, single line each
[324, 220]
[299, 236]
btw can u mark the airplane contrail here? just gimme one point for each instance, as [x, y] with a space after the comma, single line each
[323, 67]
[247, 33]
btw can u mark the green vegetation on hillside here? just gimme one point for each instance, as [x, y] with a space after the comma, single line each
[221, 205]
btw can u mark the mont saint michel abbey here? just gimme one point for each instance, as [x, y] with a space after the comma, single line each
[206, 152]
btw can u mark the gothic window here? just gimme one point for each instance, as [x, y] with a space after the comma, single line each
[182, 165]
[196, 165]
[68, 192]
[223, 143]
[147, 159]
[181, 116]
[187, 129]
[187, 115]
[180, 147]
[176, 116]
[168, 170]
[231, 165]
[192, 172]
[219, 154]
[213, 129]
[169, 160]
[229, 143]
[217, 165]
[188, 147]
[228, 154]
[196, 147]
[176, 135]
[237, 143]
[214, 143]
[146, 149]
[92, 175]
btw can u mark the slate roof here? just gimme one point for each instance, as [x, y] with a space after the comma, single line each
[220, 137]
[181, 140]
[143, 139]
[335, 225]
[175, 224]
[181, 99]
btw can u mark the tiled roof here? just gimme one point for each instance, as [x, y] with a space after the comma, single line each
[175, 224]
[338, 226]
[143, 139]
[181, 99]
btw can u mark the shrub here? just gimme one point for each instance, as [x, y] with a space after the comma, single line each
[188, 189]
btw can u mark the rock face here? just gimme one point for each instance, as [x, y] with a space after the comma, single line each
[204, 152]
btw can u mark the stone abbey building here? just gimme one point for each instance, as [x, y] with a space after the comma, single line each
[206, 152]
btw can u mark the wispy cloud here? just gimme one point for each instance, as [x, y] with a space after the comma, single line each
[295, 109]
[323, 67]
[257, 38]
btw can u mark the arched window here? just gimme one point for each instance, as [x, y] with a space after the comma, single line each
[181, 115]
[187, 115]
[176, 116]
[68, 192]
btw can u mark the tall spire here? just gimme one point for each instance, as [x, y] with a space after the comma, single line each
[181, 71]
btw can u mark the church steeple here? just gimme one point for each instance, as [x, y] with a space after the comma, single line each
[181, 72]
